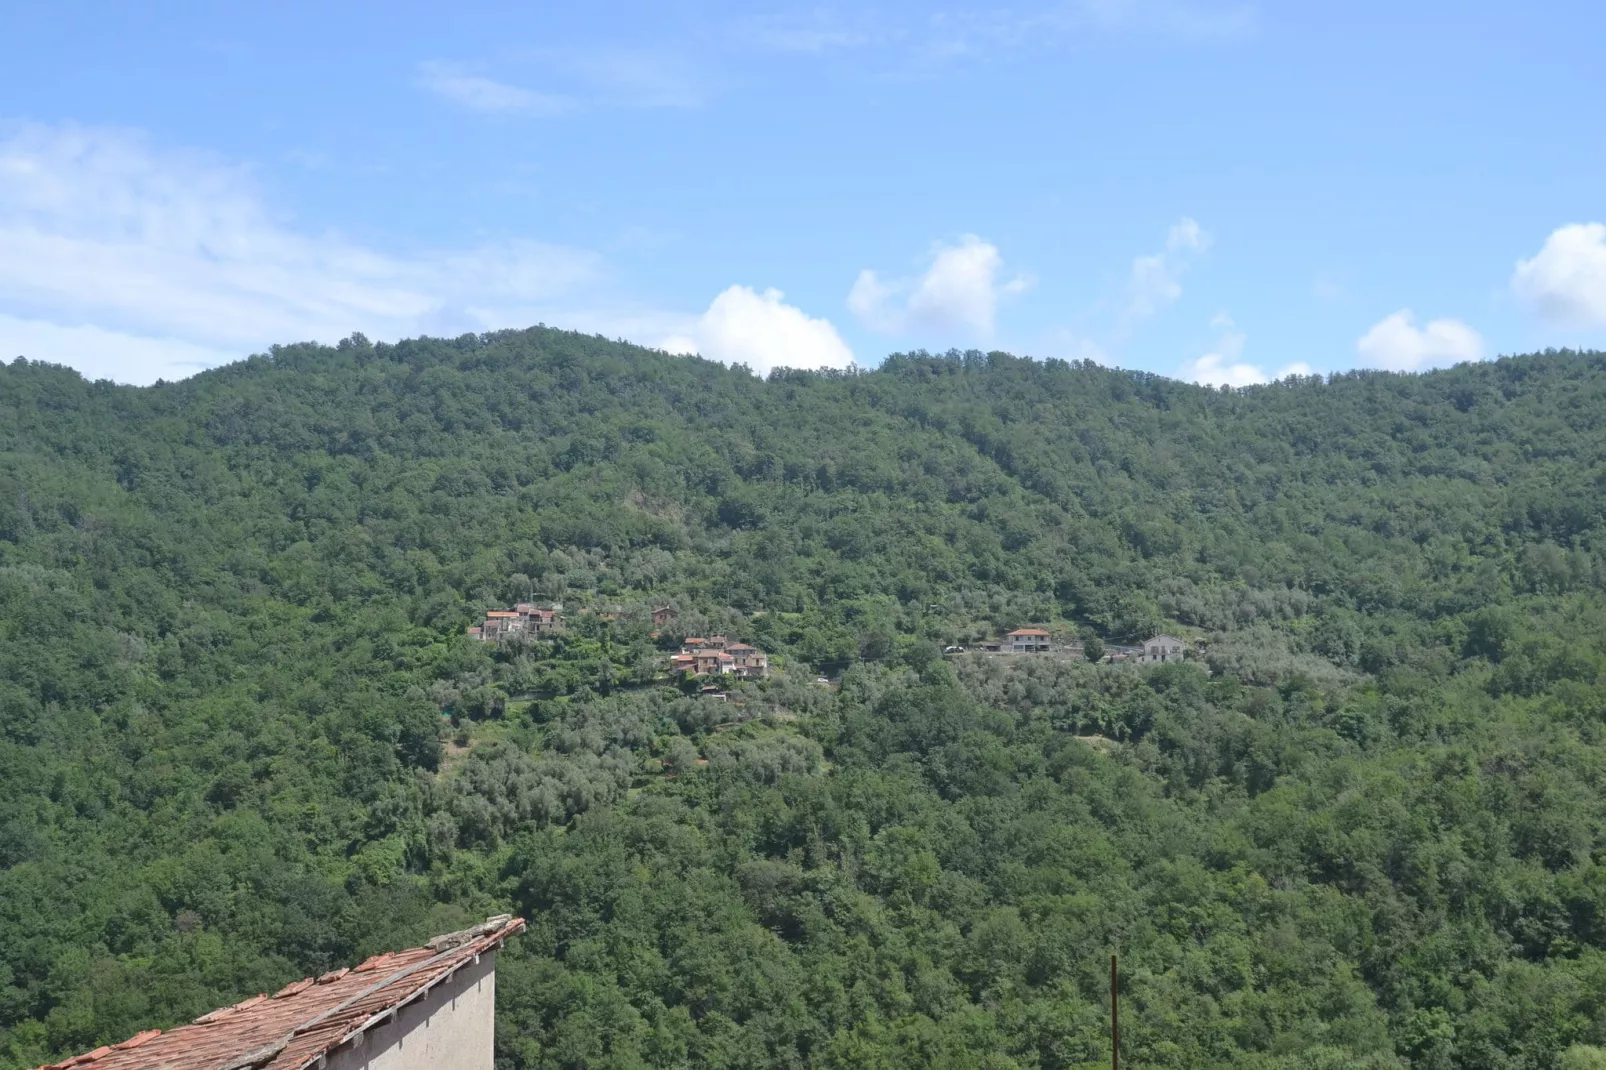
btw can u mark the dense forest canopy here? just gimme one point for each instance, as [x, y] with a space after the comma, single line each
[244, 735]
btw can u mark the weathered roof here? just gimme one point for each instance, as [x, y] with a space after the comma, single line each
[501, 613]
[306, 1020]
[1163, 639]
[1028, 631]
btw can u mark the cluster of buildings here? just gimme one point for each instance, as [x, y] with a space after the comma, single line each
[526, 618]
[1153, 651]
[714, 656]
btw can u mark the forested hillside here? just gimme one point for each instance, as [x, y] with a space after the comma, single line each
[244, 735]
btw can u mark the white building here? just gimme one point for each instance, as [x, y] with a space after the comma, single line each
[1161, 648]
[1027, 641]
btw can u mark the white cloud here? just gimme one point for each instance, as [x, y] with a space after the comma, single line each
[1395, 343]
[1225, 366]
[174, 258]
[763, 332]
[960, 291]
[1566, 282]
[484, 94]
[101, 354]
[1157, 279]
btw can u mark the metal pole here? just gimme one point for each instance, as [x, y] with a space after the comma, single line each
[1115, 1016]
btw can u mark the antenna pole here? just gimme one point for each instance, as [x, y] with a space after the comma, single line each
[1115, 1016]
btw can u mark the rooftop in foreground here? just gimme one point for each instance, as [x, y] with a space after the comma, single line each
[302, 1023]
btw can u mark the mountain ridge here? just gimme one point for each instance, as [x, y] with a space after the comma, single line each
[1360, 830]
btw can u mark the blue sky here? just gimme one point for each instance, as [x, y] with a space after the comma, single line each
[1217, 191]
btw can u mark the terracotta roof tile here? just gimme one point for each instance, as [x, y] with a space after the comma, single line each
[137, 1039]
[306, 1019]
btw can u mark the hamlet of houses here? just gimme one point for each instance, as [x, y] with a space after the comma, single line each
[715, 656]
[1153, 651]
[526, 618]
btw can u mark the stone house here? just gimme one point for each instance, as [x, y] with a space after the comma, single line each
[526, 618]
[748, 661]
[715, 656]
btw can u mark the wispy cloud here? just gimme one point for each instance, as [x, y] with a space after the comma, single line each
[486, 95]
[111, 246]
[1225, 365]
[1188, 21]
[1156, 279]
[952, 34]
[590, 78]
[817, 31]
[635, 77]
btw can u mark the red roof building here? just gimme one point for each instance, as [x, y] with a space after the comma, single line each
[526, 618]
[1027, 641]
[430, 1006]
[713, 657]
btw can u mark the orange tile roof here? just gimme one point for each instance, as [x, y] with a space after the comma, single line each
[501, 613]
[305, 1020]
[1028, 631]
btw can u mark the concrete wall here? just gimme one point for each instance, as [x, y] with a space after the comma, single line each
[452, 1028]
